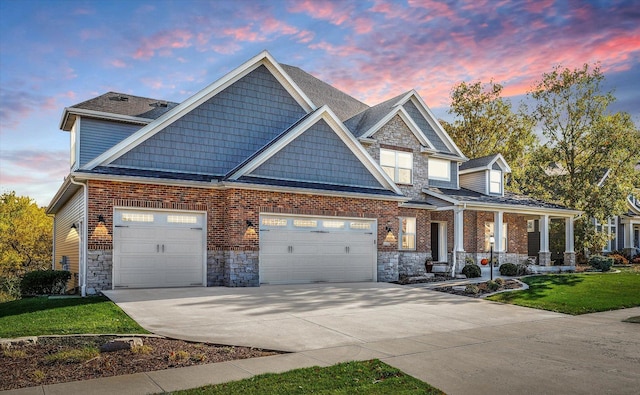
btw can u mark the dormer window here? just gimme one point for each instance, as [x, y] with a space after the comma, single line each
[495, 181]
[398, 165]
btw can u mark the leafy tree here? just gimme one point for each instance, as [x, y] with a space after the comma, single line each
[485, 124]
[25, 236]
[588, 161]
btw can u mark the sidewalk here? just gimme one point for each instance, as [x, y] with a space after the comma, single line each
[593, 353]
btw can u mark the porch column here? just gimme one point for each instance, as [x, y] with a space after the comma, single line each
[458, 240]
[628, 235]
[544, 257]
[569, 253]
[498, 247]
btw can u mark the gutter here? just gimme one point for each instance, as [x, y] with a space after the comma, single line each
[82, 265]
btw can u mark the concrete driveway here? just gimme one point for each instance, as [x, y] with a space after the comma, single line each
[458, 344]
[308, 317]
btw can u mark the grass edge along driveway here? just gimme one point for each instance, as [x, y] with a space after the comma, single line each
[360, 377]
[63, 316]
[577, 293]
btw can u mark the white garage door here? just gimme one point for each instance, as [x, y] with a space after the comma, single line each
[153, 249]
[316, 249]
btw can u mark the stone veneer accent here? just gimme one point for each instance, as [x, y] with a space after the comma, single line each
[412, 263]
[241, 269]
[544, 258]
[570, 258]
[387, 266]
[99, 270]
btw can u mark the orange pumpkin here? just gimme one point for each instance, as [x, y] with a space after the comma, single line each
[484, 262]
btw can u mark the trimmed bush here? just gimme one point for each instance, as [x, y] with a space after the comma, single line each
[472, 289]
[45, 282]
[493, 286]
[509, 269]
[471, 271]
[500, 281]
[618, 259]
[600, 262]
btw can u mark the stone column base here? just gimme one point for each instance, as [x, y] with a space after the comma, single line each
[544, 258]
[570, 258]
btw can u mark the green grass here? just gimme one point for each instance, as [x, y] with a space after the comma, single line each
[43, 316]
[577, 293]
[368, 377]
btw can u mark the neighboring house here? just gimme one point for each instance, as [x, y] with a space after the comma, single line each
[624, 230]
[270, 175]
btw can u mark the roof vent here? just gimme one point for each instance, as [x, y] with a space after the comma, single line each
[119, 98]
[160, 103]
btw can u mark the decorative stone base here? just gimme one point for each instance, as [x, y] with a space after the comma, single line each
[411, 264]
[387, 266]
[570, 258]
[241, 269]
[544, 258]
[537, 269]
[99, 270]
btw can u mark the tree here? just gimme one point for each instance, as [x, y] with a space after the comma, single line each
[25, 236]
[485, 124]
[588, 161]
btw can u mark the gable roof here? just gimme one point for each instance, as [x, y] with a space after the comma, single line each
[321, 93]
[485, 163]
[326, 114]
[166, 119]
[118, 106]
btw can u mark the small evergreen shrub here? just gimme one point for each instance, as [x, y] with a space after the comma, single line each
[472, 289]
[600, 262]
[469, 261]
[45, 282]
[471, 271]
[493, 286]
[500, 281]
[523, 269]
[509, 269]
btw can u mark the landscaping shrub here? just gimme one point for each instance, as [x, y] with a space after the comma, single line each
[469, 261]
[619, 259]
[509, 269]
[45, 282]
[636, 260]
[500, 281]
[493, 286]
[600, 262]
[472, 289]
[471, 271]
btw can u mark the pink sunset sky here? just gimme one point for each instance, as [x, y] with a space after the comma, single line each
[55, 54]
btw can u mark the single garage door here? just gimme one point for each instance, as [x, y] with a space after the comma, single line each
[153, 249]
[296, 249]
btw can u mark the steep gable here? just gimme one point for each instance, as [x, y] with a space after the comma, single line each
[426, 128]
[220, 133]
[318, 155]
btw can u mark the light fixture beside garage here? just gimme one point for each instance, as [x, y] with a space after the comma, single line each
[74, 226]
[390, 238]
[100, 219]
[250, 232]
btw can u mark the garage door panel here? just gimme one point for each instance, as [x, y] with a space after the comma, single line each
[302, 255]
[161, 253]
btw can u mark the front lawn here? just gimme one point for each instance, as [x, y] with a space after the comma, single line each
[368, 377]
[577, 293]
[44, 316]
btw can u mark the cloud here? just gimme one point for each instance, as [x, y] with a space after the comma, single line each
[118, 63]
[163, 43]
[333, 12]
[17, 105]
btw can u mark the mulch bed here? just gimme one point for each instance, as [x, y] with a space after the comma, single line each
[483, 289]
[26, 365]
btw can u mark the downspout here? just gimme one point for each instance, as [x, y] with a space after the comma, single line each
[84, 238]
[53, 251]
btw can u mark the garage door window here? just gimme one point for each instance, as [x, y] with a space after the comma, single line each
[278, 222]
[333, 224]
[305, 223]
[137, 217]
[408, 233]
[360, 225]
[182, 219]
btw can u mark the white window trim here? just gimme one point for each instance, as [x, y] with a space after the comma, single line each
[401, 234]
[435, 177]
[396, 168]
[499, 183]
[505, 238]
[610, 228]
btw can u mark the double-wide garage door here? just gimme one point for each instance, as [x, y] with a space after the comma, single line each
[296, 249]
[158, 249]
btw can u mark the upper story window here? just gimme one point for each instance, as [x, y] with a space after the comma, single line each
[407, 234]
[489, 232]
[439, 169]
[398, 165]
[495, 181]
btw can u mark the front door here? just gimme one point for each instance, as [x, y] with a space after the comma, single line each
[435, 241]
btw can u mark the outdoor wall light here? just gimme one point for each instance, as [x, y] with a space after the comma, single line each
[249, 224]
[74, 226]
[250, 233]
[100, 219]
[389, 238]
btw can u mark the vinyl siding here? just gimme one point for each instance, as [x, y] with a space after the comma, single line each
[222, 132]
[318, 155]
[67, 239]
[428, 131]
[97, 136]
[476, 181]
